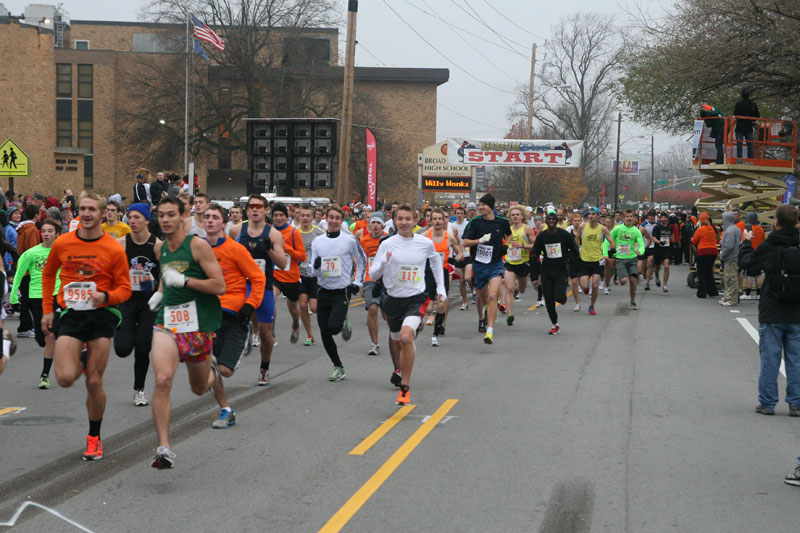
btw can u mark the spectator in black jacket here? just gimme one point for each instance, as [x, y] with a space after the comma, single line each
[745, 107]
[158, 189]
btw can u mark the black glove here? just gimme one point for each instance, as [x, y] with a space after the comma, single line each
[317, 263]
[377, 289]
[451, 260]
[503, 250]
[245, 313]
[353, 288]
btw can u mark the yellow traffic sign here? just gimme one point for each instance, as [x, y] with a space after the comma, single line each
[13, 161]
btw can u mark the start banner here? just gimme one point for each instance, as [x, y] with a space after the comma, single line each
[513, 152]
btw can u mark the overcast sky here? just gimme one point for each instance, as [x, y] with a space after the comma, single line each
[467, 107]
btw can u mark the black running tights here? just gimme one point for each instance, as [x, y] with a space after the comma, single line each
[135, 334]
[332, 308]
[554, 287]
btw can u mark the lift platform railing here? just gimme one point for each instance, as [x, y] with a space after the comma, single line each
[774, 144]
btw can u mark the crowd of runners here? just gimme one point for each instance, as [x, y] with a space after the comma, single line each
[188, 281]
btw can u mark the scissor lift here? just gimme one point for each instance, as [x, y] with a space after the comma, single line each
[751, 184]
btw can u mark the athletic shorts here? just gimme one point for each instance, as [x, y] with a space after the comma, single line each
[648, 252]
[230, 342]
[89, 325]
[611, 253]
[752, 273]
[398, 309]
[591, 268]
[627, 268]
[522, 270]
[463, 263]
[309, 286]
[661, 254]
[291, 290]
[430, 283]
[36, 309]
[266, 311]
[370, 300]
[482, 273]
[193, 347]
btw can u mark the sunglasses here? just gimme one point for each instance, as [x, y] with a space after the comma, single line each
[255, 206]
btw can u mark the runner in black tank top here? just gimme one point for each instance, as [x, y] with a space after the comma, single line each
[135, 334]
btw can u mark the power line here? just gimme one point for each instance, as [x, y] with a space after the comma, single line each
[370, 53]
[477, 17]
[470, 118]
[512, 22]
[444, 56]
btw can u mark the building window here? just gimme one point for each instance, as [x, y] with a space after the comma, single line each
[63, 122]
[81, 45]
[88, 168]
[85, 81]
[150, 42]
[85, 139]
[64, 80]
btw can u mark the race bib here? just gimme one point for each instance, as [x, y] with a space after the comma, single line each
[483, 254]
[409, 276]
[78, 295]
[262, 264]
[181, 318]
[623, 249]
[142, 280]
[514, 254]
[664, 240]
[553, 251]
[331, 267]
[288, 264]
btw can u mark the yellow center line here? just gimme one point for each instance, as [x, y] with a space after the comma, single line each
[349, 509]
[357, 301]
[531, 308]
[381, 431]
[8, 410]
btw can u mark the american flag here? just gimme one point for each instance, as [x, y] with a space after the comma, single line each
[204, 33]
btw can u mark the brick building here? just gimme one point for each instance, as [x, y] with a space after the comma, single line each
[64, 98]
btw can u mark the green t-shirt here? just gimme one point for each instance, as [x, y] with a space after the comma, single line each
[32, 261]
[626, 238]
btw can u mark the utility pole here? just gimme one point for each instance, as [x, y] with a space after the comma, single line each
[616, 162]
[347, 104]
[530, 124]
[652, 173]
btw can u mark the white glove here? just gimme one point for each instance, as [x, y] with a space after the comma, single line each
[173, 278]
[155, 300]
[486, 238]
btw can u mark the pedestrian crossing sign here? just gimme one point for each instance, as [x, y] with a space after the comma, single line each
[13, 161]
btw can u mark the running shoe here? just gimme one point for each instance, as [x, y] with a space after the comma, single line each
[403, 395]
[44, 381]
[434, 341]
[256, 339]
[226, 419]
[94, 449]
[482, 325]
[464, 307]
[606, 290]
[337, 374]
[164, 458]
[727, 303]
[488, 338]
[309, 342]
[665, 289]
[502, 309]
[396, 378]
[30, 334]
[375, 349]
[517, 297]
[263, 378]
[139, 399]
[616, 280]
[602, 285]
[647, 286]
[540, 303]
[592, 311]
[634, 307]
[794, 477]
[347, 330]
[658, 282]
[510, 320]
[295, 336]
[765, 410]
[553, 330]
[577, 307]
[429, 320]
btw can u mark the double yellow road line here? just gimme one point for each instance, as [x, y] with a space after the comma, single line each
[357, 500]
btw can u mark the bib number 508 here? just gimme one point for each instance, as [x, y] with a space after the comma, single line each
[179, 315]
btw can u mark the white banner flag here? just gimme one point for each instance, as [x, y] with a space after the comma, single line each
[513, 152]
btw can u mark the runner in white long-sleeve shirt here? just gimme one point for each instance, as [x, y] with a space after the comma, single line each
[332, 258]
[400, 264]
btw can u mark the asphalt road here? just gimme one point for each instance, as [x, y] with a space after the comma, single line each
[628, 421]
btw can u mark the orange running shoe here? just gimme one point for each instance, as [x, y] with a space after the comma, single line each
[94, 449]
[403, 395]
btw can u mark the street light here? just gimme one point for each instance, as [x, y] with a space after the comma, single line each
[162, 121]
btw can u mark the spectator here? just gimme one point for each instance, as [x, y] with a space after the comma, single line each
[717, 126]
[729, 255]
[141, 190]
[14, 216]
[745, 107]
[68, 201]
[705, 240]
[174, 186]
[158, 189]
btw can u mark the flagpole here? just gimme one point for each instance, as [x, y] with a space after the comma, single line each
[186, 111]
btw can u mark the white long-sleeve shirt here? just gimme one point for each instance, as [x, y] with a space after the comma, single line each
[404, 272]
[337, 255]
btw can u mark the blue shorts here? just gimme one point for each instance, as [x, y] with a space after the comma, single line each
[482, 273]
[265, 311]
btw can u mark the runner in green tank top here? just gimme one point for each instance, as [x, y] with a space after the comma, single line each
[590, 236]
[189, 313]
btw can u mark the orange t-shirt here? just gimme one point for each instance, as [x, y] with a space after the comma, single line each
[361, 224]
[705, 240]
[237, 267]
[370, 246]
[759, 236]
[442, 247]
[102, 261]
[296, 251]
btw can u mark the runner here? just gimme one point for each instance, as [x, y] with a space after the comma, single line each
[113, 226]
[463, 266]
[400, 264]
[189, 313]
[649, 257]
[266, 248]
[196, 223]
[557, 248]
[484, 236]
[608, 258]
[369, 243]
[287, 279]
[663, 237]
[443, 241]
[308, 292]
[94, 278]
[32, 261]
[235, 218]
[332, 260]
[238, 270]
[574, 263]
[135, 334]
[591, 236]
[517, 266]
[629, 244]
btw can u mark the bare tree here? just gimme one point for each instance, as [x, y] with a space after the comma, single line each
[574, 93]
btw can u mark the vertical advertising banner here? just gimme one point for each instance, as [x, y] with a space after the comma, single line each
[372, 169]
